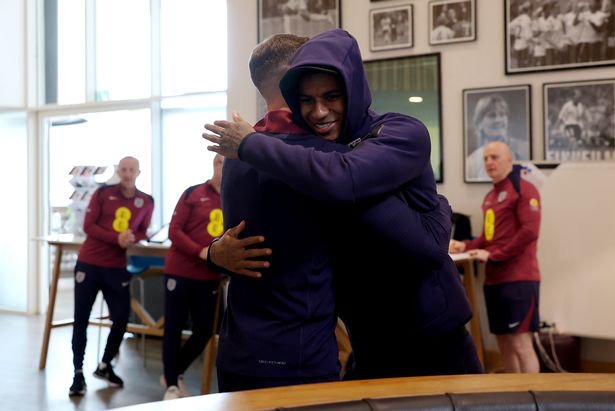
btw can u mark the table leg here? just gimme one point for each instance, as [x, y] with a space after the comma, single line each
[53, 288]
[211, 348]
[468, 283]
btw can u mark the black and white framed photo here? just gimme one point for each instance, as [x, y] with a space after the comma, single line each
[452, 21]
[495, 114]
[558, 34]
[391, 28]
[411, 85]
[579, 121]
[300, 17]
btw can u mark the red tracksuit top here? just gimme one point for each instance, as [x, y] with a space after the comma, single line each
[510, 231]
[197, 219]
[108, 214]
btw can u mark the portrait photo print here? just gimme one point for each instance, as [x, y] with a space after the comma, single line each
[579, 122]
[391, 28]
[452, 21]
[300, 17]
[558, 34]
[495, 114]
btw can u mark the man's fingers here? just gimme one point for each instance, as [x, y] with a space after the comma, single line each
[235, 231]
[249, 273]
[248, 241]
[212, 137]
[254, 264]
[222, 123]
[216, 149]
[236, 116]
[256, 252]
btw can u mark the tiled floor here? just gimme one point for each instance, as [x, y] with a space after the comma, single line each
[23, 387]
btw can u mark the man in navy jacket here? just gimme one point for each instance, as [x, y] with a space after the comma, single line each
[405, 315]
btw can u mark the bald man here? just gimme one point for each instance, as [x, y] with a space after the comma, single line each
[117, 216]
[508, 247]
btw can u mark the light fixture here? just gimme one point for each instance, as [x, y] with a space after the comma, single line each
[415, 99]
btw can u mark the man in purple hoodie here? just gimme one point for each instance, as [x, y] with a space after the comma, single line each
[405, 315]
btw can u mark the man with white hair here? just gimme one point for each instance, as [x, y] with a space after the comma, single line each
[508, 247]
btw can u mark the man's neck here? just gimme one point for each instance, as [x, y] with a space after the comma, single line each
[215, 183]
[128, 192]
[273, 107]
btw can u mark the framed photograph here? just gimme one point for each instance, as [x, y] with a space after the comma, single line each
[452, 21]
[579, 121]
[558, 34]
[411, 85]
[495, 114]
[391, 28]
[300, 17]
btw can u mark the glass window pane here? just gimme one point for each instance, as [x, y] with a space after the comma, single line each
[123, 55]
[12, 45]
[193, 46]
[185, 160]
[93, 139]
[14, 244]
[71, 52]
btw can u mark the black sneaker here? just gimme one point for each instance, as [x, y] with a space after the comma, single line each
[79, 386]
[108, 375]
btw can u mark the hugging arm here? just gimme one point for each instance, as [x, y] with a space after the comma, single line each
[398, 154]
[421, 238]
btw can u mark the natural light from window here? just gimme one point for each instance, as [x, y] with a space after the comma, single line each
[193, 46]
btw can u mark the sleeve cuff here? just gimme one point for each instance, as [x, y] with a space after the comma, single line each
[210, 264]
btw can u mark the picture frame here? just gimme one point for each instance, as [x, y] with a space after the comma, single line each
[303, 18]
[557, 35]
[495, 114]
[579, 121]
[452, 21]
[391, 27]
[411, 85]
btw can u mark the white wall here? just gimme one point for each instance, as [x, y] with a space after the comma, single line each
[464, 65]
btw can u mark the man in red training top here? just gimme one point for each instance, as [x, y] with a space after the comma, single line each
[190, 287]
[117, 216]
[508, 247]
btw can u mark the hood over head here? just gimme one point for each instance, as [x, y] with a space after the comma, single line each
[332, 51]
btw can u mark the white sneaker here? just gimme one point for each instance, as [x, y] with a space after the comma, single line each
[172, 393]
[181, 384]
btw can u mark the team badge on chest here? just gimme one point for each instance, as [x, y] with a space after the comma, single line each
[138, 202]
[502, 196]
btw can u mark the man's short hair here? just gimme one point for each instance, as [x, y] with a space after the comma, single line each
[270, 58]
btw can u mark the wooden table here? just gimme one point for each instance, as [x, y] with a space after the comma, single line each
[465, 261]
[298, 395]
[150, 326]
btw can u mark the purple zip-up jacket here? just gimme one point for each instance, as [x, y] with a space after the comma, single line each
[283, 324]
[391, 155]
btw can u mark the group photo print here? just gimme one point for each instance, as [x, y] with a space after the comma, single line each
[300, 17]
[391, 28]
[452, 21]
[559, 34]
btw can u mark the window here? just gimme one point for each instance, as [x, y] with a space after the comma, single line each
[135, 77]
[14, 209]
[186, 161]
[193, 46]
[123, 49]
